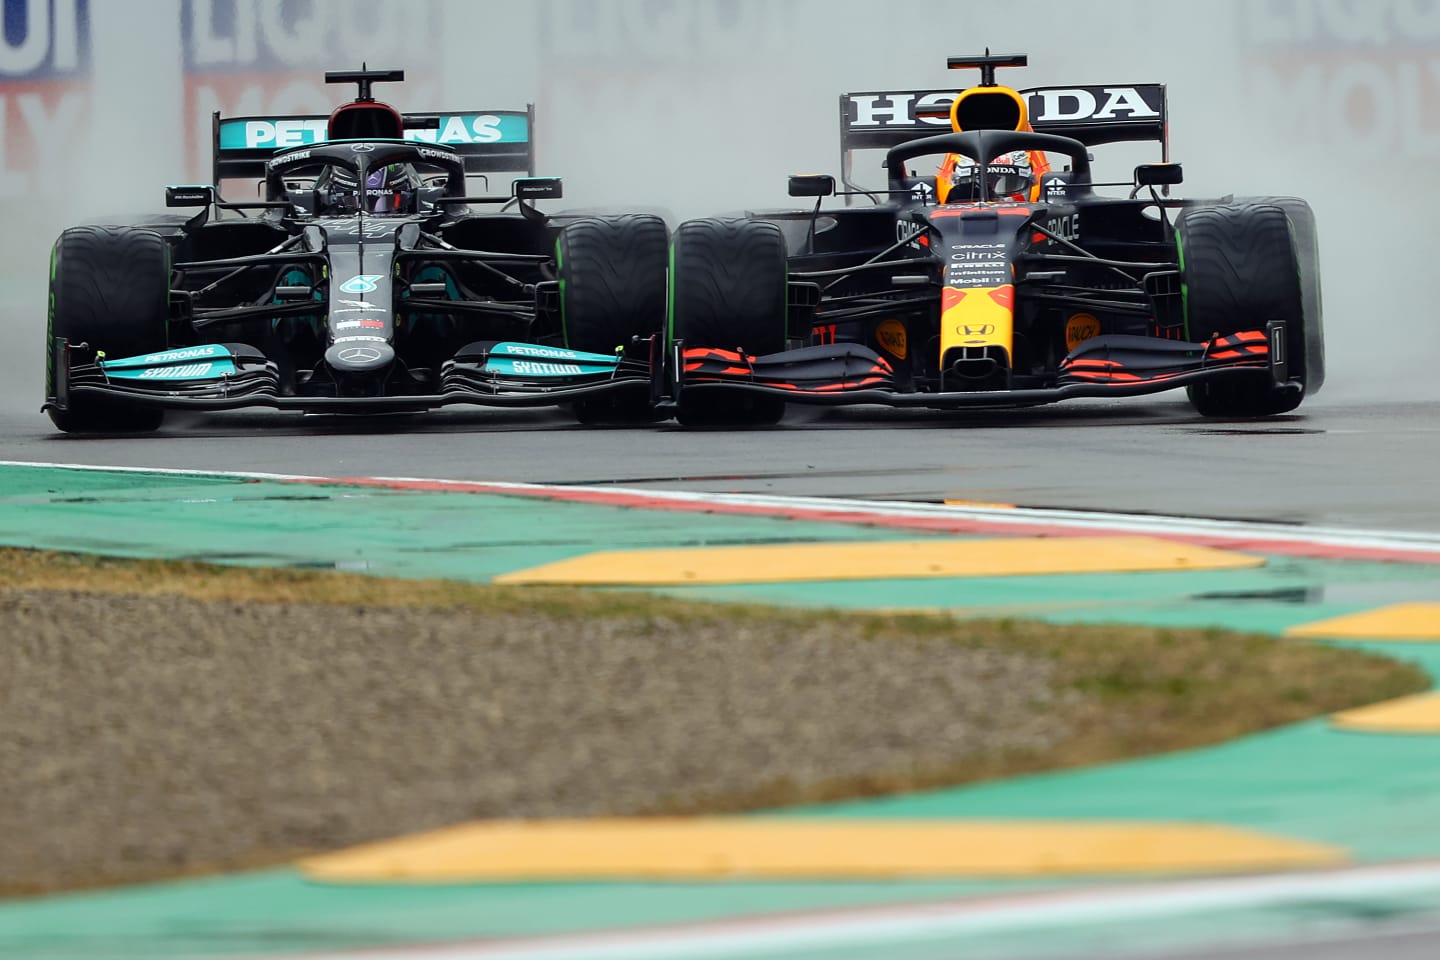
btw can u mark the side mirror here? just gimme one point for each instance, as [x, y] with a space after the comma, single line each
[189, 196]
[1159, 175]
[538, 188]
[812, 185]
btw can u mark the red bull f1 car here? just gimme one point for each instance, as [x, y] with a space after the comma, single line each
[988, 291]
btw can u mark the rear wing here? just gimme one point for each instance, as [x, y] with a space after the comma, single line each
[1093, 115]
[495, 141]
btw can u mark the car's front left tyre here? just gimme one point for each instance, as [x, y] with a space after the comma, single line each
[1240, 271]
[1307, 248]
[612, 273]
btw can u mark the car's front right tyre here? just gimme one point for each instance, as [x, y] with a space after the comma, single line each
[109, 289]
[729, 290]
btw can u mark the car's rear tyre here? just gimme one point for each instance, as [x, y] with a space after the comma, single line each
[612, 290]
[729, 289]
[109, 288]
[1240, 271]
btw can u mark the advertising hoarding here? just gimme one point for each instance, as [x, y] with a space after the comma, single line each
[45, 94]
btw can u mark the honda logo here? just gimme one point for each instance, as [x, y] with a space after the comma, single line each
[978, 330]
[899, 109]
[1091, 103]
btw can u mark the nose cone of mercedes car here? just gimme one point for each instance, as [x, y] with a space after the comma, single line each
[361, 319]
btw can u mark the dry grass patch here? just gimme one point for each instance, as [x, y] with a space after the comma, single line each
[165, 719]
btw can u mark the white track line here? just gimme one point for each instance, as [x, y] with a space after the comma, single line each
[892, 925]
[1237, 530]
[163, 471]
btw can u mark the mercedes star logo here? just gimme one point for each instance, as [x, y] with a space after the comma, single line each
[360, 355]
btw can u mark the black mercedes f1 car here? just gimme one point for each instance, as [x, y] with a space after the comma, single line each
[980, 290]
[367, 279]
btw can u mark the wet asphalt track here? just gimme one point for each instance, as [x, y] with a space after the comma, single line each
[1336, 463]
[1405, 941]
[1339, 462]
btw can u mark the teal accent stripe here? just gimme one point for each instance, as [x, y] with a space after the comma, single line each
[527, 351]
[201, 370]
[545, 368]
[455, 130]
[165, 358]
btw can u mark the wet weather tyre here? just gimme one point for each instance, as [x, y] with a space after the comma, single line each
[109, 288]
[729, 289]
[1240, 271]
[612, 281]
[612, 274]
[1307, 248]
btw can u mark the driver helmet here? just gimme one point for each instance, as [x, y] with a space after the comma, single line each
[1011, 176]
[391, 189]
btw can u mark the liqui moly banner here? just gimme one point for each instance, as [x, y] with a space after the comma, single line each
[1359, 76]
[45, 93]
[645, 57]
[654, 32]
[269, 57]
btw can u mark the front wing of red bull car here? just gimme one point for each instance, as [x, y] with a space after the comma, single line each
[345, 290]
[1006, 300]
